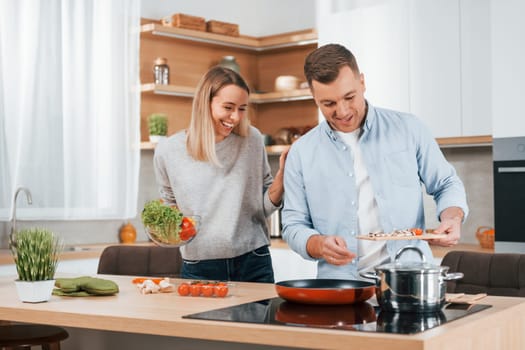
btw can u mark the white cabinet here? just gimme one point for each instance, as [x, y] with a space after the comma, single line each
[434, 60]
[476, 113]
[508, 72]
[426, 57]
[378, 36]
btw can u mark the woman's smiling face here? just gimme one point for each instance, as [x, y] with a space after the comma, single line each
[228, 107]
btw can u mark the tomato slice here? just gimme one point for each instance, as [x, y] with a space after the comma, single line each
[417, 231]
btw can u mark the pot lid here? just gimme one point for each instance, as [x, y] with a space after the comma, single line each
[411, 266]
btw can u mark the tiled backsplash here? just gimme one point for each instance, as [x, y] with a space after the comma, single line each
[473, 164]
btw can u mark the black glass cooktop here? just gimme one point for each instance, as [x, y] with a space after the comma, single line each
[358, 317]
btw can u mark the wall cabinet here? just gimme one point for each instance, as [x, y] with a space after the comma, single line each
[426, 57]
[508, 73]
[191, 53]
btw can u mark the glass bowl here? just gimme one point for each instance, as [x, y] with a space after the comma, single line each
[175, 236]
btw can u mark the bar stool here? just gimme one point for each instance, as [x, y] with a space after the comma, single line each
[23, 336]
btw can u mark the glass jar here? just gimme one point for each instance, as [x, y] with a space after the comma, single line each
[161, 71]
[230, 62]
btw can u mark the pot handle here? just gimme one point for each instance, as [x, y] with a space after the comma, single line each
[453, 276]
[370, 275]
[410, 247]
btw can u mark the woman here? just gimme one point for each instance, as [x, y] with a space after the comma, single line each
[218, 169]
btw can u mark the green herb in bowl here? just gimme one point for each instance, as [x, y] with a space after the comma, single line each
[167, 226]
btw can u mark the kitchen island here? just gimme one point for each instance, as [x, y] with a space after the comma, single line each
[153, 316]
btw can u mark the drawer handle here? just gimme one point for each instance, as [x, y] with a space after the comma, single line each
[517, 169]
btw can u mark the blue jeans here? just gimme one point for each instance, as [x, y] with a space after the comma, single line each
[254, 266]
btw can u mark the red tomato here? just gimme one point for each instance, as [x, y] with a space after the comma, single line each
[187, 229]
[184, 289]
[195, 289]
[207, 290]
[417, 231]
[220, 290]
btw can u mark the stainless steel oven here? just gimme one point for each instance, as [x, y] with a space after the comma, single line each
[509, 194]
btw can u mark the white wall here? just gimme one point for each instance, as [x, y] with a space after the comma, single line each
[255, 18]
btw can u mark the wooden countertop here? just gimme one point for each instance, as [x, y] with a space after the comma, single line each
[93, 251]
[499, 327]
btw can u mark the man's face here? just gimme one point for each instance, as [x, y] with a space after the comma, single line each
[342, 101]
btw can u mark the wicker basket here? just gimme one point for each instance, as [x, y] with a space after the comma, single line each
[485, 236]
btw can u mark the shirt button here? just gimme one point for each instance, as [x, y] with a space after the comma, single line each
[344, 148]
[353, 233]
[353, 202]
[350, 174]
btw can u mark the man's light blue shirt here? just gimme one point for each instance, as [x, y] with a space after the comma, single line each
[400, 155]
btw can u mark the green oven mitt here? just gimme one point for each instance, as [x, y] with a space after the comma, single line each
[84, 286]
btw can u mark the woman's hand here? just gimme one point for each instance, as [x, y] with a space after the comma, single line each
[276, 190]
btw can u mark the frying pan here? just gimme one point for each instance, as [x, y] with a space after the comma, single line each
[325, 291]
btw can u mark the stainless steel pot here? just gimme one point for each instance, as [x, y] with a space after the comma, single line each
[411, 286]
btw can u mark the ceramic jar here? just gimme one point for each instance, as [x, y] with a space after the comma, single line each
[128, 234]
[230, 62]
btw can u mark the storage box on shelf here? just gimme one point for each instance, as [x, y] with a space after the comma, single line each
[222, 28]
[191, 53]
[181, 20]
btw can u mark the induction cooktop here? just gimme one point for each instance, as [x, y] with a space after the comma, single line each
[355, 317]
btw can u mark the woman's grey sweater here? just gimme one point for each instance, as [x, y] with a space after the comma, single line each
[231, 200]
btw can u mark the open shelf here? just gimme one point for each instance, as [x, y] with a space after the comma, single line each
[299, 38]
[466, 141]
[257, 98]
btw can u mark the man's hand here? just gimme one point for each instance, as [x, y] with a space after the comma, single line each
[451, 219]
[330, 248]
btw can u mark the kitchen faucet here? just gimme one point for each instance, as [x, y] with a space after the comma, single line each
[29, 201]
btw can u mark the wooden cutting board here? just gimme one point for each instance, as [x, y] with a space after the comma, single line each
[389, 238]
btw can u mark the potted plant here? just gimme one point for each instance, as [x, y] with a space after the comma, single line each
[35, 252]
[157, 126]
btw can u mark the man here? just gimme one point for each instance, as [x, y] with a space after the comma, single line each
[361, 171]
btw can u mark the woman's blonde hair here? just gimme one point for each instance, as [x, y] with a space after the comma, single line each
[200, 140]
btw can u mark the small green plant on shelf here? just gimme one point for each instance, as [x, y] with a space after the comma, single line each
[35, 252]
[157, 126]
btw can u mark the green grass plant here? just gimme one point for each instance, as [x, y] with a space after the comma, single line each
[158, 124]
[35, 252]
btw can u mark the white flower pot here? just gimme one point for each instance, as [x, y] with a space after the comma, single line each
[34, 291]
[155, 138]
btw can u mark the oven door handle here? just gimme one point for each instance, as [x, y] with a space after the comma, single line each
[514, 169]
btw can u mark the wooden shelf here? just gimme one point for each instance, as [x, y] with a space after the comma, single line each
[257, 98]
[281, 96]
[170, 90]
[300, 38]
[466, 141]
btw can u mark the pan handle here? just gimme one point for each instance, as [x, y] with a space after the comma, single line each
[370, 275]
[453, 276]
